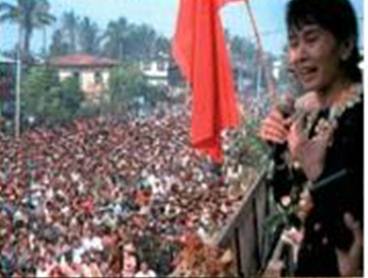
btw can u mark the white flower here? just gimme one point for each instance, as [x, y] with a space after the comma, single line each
[285, 200]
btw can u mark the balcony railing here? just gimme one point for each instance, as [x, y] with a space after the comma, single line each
[245, 232]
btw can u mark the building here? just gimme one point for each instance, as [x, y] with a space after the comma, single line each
[93, 72]
[156, 71]
[6, 60]
[242, 77]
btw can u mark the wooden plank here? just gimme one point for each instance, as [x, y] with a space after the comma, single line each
[247, 246]
[224, 236]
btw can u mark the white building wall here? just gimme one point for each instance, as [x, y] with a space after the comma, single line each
[158, 82]
[155, 75]
[64, 74]
[87, 79]
[106, 78]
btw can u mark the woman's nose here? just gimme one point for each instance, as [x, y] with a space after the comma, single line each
[297, 54]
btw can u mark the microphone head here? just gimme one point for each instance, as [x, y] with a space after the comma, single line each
[286, 105]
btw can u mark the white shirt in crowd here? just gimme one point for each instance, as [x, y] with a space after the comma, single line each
[148, 274]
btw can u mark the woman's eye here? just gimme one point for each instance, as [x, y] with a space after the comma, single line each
[293, 43]
[312, 38]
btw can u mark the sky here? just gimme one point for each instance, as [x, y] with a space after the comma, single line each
[161, 14]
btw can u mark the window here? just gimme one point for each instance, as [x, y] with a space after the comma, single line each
[76, 75]
[98, 77]
[146, 66]
[161, 66]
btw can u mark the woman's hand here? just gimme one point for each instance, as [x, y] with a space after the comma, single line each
[274, 128]
[310, 153]
[349, 262]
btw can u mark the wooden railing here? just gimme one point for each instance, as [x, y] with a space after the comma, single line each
[245, 232]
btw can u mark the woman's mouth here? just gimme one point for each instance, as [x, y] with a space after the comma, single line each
[307, 74]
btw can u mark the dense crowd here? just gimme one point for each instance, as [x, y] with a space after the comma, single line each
[106, 197]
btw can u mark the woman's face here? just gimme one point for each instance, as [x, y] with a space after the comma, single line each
[314, 56]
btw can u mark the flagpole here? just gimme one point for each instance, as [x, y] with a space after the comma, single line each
[271, 86]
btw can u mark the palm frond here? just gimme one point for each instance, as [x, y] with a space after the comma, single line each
[8, 12]
[44, 19]
[8, 17]
[6, 6]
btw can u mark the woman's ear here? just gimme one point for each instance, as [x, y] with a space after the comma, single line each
[346, 49]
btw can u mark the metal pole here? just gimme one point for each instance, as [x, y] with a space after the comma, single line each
[44, 38]
[17, 88]
[271, 86]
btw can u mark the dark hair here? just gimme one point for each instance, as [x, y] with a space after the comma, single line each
[337, 17]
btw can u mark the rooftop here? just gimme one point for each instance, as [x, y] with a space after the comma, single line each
[82, 60]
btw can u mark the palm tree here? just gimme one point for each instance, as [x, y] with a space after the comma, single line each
[162, 46]
[70, 23]
[58, 46]
[29, 15]
[141, 42]
[114, 39]
[89, 39]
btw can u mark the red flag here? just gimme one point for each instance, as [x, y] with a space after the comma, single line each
[199, 48]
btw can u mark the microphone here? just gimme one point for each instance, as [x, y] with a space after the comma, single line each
[286, 106]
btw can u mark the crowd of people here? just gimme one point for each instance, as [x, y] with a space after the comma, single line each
[101, 197]
[131, 198]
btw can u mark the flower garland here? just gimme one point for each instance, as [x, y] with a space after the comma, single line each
[354, 96]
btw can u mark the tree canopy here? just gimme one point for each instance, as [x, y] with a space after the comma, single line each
[29, 15]
[47, 100]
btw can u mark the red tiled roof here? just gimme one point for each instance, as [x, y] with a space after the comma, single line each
[82, 60]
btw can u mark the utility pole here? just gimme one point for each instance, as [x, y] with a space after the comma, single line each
[17, 88]
[44, 41]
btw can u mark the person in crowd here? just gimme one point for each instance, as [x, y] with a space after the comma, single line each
[145, 271]
[318, 151]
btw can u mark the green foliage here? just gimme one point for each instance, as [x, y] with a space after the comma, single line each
[120, 40]
[71, 95]
[131, 42]
[242, 49]
[130, 91]
[71, 25]
[245, 146]
[58, 47]
[282, 218]
[114, 39]
[75, 34]
[245, 55]
[140, 42]
[29, 15]
[49, 100]
[125, 82]
[88, 35]
[3, 70]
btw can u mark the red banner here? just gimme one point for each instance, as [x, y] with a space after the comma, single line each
[199, 48]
